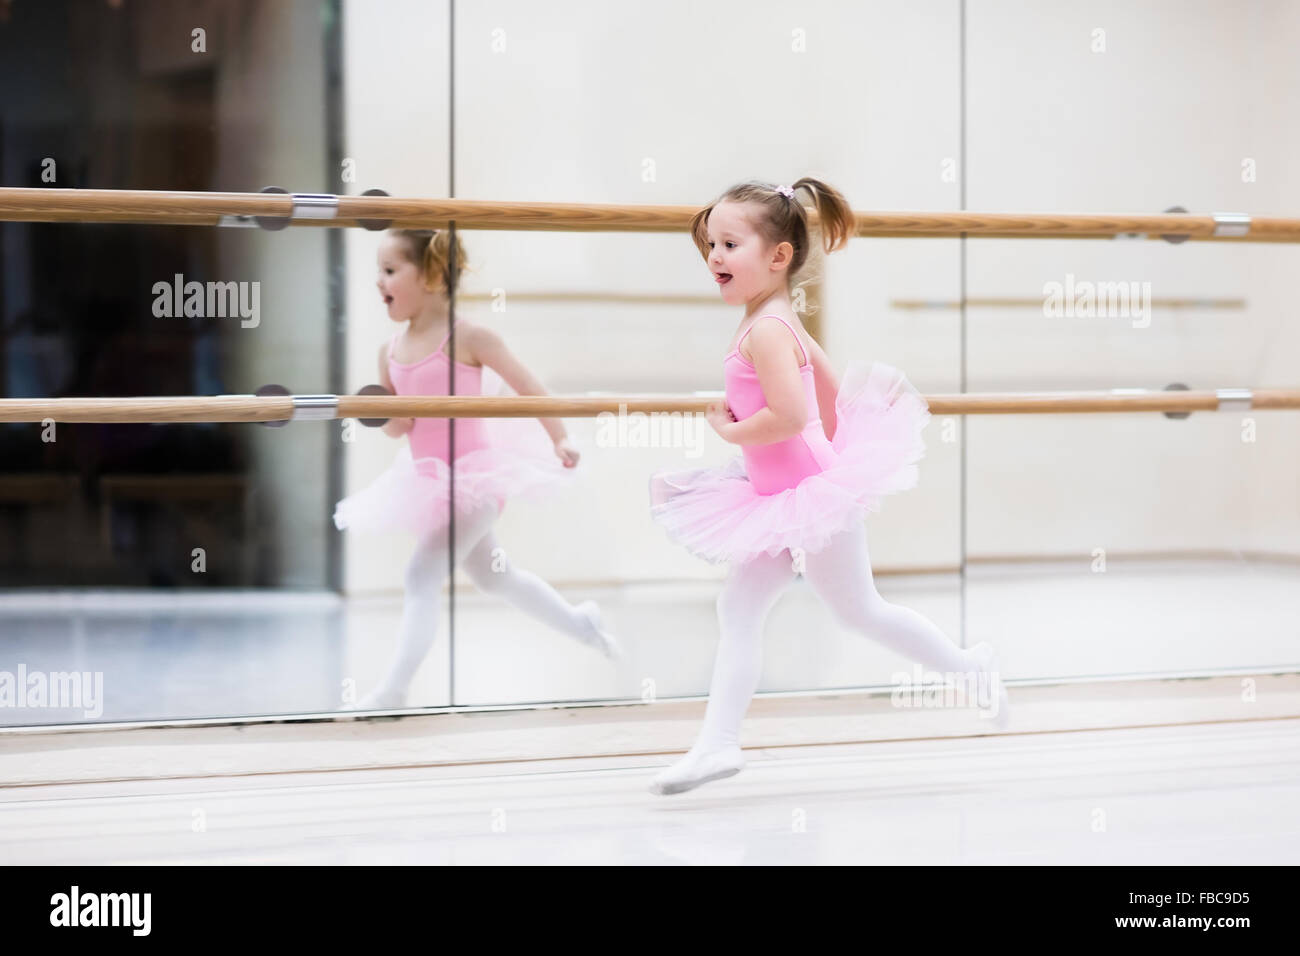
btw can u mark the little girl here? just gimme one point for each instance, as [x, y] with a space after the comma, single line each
[415, 276]
[816, 458]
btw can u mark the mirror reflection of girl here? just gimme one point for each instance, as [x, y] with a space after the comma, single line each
[817, 457]
[494, 461]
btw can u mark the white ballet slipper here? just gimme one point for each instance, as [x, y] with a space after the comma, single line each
[695, 769]
[600, 638]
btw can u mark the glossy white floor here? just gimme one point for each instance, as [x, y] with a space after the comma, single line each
[1226, 793]
[1218, 780]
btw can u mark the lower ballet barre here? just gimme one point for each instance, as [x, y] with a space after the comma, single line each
[374, 406]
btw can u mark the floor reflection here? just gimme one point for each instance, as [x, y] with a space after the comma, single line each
[167, 655]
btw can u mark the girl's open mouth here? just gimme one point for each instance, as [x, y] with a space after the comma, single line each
[722, 278]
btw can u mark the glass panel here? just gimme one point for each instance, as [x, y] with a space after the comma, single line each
[121, 542]
[1132, 544]
[399, 616]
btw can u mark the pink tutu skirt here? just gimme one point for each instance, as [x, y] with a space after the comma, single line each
[415, 495]
[716, 514]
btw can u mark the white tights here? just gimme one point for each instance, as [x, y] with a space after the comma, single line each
[425, 576]
[841, 575]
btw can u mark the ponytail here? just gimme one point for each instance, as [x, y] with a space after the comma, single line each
[837, 222]
[432, 251]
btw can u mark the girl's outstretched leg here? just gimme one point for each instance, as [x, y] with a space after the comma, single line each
[841, 575]
[425, 575]
[747, 595]
[493, 573]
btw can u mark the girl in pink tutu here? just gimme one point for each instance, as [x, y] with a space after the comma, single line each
[816, 458]
[495, 460]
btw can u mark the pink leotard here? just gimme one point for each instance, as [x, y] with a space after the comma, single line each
[431, 376]
[783, 464]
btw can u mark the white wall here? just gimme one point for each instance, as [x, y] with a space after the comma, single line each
[1181, 95]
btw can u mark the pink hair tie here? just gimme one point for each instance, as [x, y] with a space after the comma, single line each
[785, 191]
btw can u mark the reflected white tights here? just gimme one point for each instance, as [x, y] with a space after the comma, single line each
[478, 554]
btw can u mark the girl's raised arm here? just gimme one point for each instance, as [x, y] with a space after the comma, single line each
[491, 350]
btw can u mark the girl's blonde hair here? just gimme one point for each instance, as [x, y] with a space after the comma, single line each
[430, 250]
[784, 218]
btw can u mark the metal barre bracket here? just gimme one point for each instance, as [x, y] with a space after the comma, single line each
[306, 408]
[1176, 238]
[373, 390]
[1230, 399]
[1176, 387]
[273, 223]
[314, 408]
[315, 206]
[1231, 223]
[273, 390]
[1234, 399]
[305, 206]
[374, 225]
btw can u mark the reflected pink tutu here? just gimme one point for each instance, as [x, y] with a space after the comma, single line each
[716, 514]
[414, 495]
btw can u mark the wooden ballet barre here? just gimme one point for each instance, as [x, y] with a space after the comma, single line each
[1031, 302]
[375, 409]
[277, 209]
